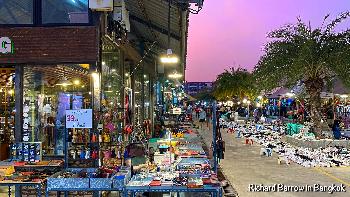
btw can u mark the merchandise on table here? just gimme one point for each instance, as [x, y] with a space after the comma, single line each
[9, 173]
[182, 163]
[269, 137]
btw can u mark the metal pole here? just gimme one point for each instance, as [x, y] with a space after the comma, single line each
[151, 105]
[132, 78]
[169, 18]
[19, 72]
[248, 111]
[142, 94]
[214, 138]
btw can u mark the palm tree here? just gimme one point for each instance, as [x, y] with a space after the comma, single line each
[234, 83]
[299, 53]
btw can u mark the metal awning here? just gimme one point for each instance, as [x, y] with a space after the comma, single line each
[149, 22]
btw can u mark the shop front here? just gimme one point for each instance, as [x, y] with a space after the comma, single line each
[41, 79]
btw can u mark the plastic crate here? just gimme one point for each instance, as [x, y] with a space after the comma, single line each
[68, 183]
[100, 183]
[119, 181]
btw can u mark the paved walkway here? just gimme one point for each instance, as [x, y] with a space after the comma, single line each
[243, 166]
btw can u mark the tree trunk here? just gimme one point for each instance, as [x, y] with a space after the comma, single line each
[314, 88]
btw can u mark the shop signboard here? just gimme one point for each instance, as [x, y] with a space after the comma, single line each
[6, 45]
[81, 118]
[176, 111]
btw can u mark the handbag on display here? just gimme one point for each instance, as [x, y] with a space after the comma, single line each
[94, 154]
[128, 129]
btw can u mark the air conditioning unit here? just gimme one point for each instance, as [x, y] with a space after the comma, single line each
[198, 3]
[101, 5]
[121, 14]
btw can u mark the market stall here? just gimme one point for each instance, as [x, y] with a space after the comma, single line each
[180, 165]
[27, 175]
[301, 148]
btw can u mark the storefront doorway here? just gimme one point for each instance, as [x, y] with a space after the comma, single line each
[48, 91]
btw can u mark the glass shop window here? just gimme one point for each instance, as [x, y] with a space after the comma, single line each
[16, 12]
[7, 110]
[112, 111]
[65, 11]
[48, 92]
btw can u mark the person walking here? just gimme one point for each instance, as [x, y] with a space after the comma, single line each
[202, 116]
[208, 116]
[197, 112]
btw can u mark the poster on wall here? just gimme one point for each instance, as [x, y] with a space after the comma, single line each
[80, 119]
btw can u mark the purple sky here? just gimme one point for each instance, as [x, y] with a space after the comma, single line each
[232, 32]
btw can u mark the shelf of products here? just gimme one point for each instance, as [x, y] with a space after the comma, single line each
[26, 151]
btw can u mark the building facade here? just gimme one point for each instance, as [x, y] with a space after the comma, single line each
[60, 55]
[193, 88]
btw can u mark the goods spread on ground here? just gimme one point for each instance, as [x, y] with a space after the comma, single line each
[272, 135]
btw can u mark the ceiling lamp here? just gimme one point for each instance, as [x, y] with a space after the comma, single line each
[63, 82]
[169, 58]
[175, 75]
[76, 82]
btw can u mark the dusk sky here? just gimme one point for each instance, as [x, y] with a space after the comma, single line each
[229, 33]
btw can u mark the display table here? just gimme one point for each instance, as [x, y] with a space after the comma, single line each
[19, 173]
[132, 190]
[188, 172]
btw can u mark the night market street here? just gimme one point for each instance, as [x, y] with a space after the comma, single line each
[174, 98]
[244, 166]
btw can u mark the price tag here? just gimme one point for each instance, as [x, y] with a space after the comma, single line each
[176, 111]
[81, 118]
